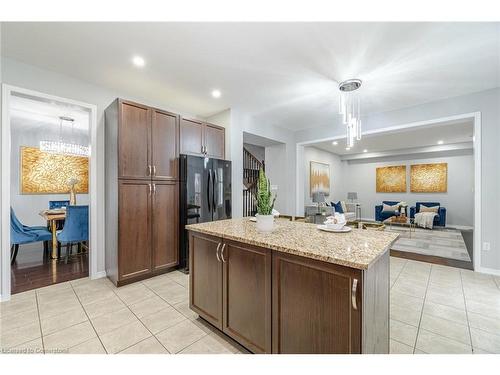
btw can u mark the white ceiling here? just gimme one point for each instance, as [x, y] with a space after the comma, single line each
[450, 133]
[285, 74]
[31, 114]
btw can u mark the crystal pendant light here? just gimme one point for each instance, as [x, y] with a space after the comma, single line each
[66, 148]
[350, 109]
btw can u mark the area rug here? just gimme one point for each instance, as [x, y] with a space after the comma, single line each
[444, 243]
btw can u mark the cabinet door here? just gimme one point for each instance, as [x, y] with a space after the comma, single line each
[134, 227]
[247, 295]
[191, 138]
[165, 214]
[214, 141]
[164, 150]
[313, 310]
[205, 281]
[133, 141]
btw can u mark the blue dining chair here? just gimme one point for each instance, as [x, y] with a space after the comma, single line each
[76, 228]
[20, 235]
[58, 204]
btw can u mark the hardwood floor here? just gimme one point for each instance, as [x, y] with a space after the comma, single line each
[32, 270]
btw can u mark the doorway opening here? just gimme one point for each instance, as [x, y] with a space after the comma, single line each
[47, 200]
[437, 164]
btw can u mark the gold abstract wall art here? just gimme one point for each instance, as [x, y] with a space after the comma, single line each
[48, 173]
[391, 179]
[319, 178]
[429, 178]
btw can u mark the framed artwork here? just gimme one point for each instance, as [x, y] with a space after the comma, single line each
[47, 173]
[391, 179]
[319, 178]
[429, 178]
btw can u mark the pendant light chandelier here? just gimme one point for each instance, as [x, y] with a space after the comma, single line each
[350, 109]
[65, 148]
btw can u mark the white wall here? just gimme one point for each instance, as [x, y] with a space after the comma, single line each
[337, 182]
[275, 157]
[27, 206]
[458, 200]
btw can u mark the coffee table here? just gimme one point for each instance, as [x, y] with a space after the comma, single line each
[409, 222]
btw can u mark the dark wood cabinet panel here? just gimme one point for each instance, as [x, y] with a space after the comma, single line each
[133, 143]
[312, 307]
[214, 141]
[164, 149]
[247, 295]
[191, 137]
[165, 225]
[134, 241]
[205, 283]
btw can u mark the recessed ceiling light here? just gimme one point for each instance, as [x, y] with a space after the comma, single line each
[440, 142]
[347, 148]
[216, 93]
[365, 150]
[138, 61]
[335, 143]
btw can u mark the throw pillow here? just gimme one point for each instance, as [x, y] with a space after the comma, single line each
[344, 207]
[338, 207]
[387, 208]
[434, 209]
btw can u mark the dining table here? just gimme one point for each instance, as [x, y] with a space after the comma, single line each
[52, 217]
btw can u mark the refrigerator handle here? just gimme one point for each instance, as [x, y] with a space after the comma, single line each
[214, 180]
[208, 191]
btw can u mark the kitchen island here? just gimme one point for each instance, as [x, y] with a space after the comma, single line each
[293, 290]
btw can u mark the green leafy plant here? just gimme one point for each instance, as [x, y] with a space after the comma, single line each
[265, 200]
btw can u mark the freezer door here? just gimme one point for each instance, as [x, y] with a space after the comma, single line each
[198, 207]
[221, 191]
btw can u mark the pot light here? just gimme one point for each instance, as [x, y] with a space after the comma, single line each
[365, 150]
[440, 142]
[138, 61]
[347, 148]
[216, 93]
[335, 143]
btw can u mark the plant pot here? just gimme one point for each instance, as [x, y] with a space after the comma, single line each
[265, 223]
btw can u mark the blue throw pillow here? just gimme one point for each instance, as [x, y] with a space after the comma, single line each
[338, 207]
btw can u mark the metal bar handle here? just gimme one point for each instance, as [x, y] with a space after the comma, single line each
[217, 252]
[222, 253]
[154, 189]
[354, 294]
[154, 170]
[149, 169]
[149, 189]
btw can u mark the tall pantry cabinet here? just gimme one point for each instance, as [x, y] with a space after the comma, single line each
[142, 221]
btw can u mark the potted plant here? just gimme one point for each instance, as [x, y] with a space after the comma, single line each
[265, 204]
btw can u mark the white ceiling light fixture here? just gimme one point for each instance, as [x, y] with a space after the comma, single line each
[350, 109]
[65, 148]
[347, 148]
[335, 143]
[138, 61]
[365, 150]
[216, 93]
[440, 142]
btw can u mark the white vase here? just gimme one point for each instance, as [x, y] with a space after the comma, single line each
[265, 223]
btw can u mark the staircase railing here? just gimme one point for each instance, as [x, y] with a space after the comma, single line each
[251, 167]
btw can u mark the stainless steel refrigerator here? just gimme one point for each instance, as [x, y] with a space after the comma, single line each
[205, 195]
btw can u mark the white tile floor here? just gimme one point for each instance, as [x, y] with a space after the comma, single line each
[434, 309]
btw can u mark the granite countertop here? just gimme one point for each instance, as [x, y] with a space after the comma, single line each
[357, 249]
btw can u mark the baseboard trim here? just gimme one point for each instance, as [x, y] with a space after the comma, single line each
[99, 275]
[489, 271]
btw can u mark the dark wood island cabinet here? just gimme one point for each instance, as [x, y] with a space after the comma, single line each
[283, 293]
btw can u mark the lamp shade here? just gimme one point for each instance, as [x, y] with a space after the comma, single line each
[352, 195]
[318, 197]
